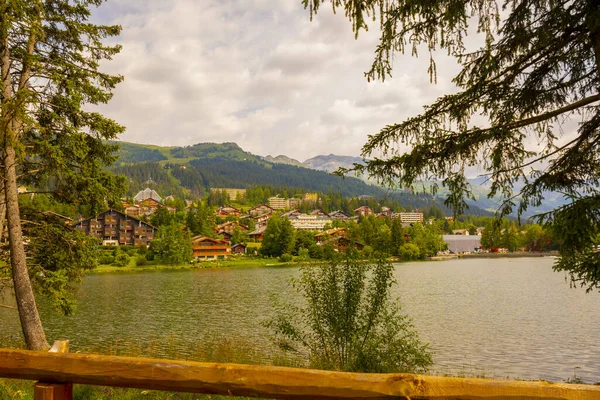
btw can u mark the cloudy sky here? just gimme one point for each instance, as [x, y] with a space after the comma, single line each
[258, 73]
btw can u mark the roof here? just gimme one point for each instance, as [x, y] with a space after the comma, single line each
[207, 239]
[258, 231]
[462, 243]
[290, 213]
[147, 194]
[332, 232]
[117, 212]
[337, 212]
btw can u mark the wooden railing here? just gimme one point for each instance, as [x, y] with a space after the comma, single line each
[56, 371]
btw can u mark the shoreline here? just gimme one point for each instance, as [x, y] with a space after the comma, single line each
[252, 263]
[520, 254]
[274, 263]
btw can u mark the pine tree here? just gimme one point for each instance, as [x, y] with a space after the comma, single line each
[49, 60]
[538, 66]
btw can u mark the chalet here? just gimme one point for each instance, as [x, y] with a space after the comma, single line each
[115, 227]
[149, 203]
[342, 243]
[261, 220]
[363, 211]
[387, 211]
[330, 233]
[133, 210]
[258, 234]
[209, 249]
[228, 211]
[291, 214]
[238, 248]
[260, 210]
[319, 212]
[342, 216]
[226, 236]
[229, 227]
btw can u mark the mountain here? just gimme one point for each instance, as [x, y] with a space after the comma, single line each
[331, 162]
[190, 172]
[281, 159]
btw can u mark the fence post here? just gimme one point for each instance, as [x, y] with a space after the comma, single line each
[54, 391]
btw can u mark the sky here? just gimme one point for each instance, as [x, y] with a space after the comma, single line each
[258, 73]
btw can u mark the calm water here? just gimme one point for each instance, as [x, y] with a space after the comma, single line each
[498, 317]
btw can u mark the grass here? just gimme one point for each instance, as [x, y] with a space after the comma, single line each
[230, 263]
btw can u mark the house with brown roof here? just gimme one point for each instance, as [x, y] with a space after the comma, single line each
[342, 243]
[230, 227]
[115, 227]
[208, 248]
[260, 210]
[261, 220]
[363, 211]
[258, 234]
[228, 211]
[291, 214]
[339, 215]
[238, 248]
[330, 233]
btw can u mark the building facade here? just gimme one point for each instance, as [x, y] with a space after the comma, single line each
[116, 228]
[305, 222]
[410, 217]
[206, 248]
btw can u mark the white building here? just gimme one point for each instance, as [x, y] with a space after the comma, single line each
[410, 217]
[305, 222]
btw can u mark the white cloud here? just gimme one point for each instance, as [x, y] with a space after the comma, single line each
[257, 73]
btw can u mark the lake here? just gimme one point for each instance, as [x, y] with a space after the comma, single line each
[502, 317]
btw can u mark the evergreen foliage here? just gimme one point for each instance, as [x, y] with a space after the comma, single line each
[279, 237]
[538, 67]
[152, 175]
[130, 153]
[200, 220]
[172, 244]
[50, 55]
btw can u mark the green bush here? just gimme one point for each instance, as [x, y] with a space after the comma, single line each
[285, 257]
[303, 254]
[349, 321]
[150, 255]
[140, 261]
[106, 259]
[409, 251]
[122, 259]
[315, 251]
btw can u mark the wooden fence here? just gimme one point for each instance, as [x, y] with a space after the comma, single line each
[57, 370]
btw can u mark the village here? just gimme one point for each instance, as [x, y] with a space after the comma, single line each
[236, 231]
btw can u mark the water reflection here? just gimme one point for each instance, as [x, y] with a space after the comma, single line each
[502, 317]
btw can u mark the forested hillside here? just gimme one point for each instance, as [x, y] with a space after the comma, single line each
[190, 172]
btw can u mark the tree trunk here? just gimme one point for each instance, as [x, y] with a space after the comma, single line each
[31, 324]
